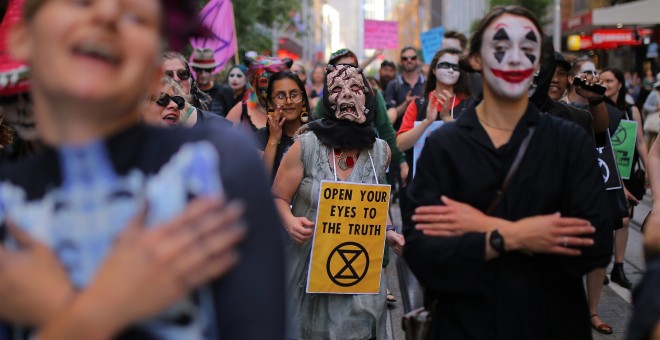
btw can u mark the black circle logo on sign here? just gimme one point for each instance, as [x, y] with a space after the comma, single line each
[619, 136]
[346, 254]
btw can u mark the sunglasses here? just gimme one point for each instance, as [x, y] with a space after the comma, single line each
[446, 65]
[165, 100]
[409, 58]
[182, 74]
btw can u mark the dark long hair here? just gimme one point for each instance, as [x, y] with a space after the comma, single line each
[461, 86]
[286, 74]
[199, 99]
[621, 98]
[496, 12]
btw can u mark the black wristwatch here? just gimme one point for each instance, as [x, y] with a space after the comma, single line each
[497, 242]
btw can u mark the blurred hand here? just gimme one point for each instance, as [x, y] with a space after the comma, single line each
[410, 97]
[275, 122]
[33, 284]
[150, 269]
[589, 80]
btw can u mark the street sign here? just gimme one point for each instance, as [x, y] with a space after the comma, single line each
[623, 144]
[349, 238]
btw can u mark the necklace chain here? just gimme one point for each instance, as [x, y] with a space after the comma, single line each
[492, 126]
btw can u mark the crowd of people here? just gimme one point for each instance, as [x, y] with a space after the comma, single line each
[142, 197]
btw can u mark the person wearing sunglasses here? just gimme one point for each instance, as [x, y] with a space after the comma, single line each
[446, 88]
[176, 67]
[164, 108]
[288, 110]
[406, 87]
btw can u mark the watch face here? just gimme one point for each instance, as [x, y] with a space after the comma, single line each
[497, 242]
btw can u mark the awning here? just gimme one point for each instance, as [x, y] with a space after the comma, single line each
[643, 12]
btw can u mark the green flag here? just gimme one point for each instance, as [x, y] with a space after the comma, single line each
[623, 143]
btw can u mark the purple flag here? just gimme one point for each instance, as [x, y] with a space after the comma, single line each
[218, 17]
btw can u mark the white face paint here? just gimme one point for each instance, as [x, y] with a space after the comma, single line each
[446, 71]
[588, 67]
[510, 53]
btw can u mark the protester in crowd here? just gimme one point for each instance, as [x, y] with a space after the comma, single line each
[322, 154]
[381, 122]
[616, 95]
[176, 67]
[170, 107]
[455, 40]
[651, 112]
[91, 64]
[518, 277]
[316, 88]
[288, 108]
[404, 88]
[252, 113]
[446, 88]
[163, 108]
[386, 73]
[237, 81]
[299, 70]
[204, 63]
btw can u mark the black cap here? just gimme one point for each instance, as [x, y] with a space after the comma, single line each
[388, 63]
[561, 61]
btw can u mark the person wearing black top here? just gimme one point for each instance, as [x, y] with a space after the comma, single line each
[203, 64]
[288, 109]
[515, 272]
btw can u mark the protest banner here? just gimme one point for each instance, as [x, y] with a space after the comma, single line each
[419, 144]
[349, 238]
[380, 34]
[431, 42]
[607, 165]
[623, 144]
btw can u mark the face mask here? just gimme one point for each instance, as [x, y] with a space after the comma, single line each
[346, 92]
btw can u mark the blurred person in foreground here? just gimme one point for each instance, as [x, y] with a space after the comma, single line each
[140, 232]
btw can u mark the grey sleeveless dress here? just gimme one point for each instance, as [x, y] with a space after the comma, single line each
[331, 316]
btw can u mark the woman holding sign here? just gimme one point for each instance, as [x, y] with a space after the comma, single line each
[507, 204]
[342, 147]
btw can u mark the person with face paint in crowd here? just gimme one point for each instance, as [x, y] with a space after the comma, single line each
[502, 239]
[252, 113]
[203, 64]
[126, 222]
[341, 147]
[446, 87]
[237, 81]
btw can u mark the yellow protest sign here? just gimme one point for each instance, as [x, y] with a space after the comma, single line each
[349, 238]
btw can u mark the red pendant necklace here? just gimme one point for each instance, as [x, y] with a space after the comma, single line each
[345, 162]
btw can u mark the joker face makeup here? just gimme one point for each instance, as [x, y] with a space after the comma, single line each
[447, 71]
[510, 54]
[346, 93]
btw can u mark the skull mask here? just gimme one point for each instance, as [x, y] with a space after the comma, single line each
[346, 93]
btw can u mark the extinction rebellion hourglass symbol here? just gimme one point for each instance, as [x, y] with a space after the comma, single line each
[353, 262]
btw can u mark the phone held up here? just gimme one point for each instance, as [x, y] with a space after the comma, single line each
[595, 88]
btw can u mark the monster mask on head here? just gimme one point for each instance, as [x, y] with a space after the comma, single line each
[347, 93]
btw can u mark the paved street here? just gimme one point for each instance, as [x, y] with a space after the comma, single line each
[615, 305]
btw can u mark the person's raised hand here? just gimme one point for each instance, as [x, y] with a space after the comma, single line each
[300, 229]
[432, 109]
[34, 286]
[275, 122]
[589, 81]
[149, 269]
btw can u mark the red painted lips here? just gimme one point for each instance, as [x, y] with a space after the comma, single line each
[513, 76]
